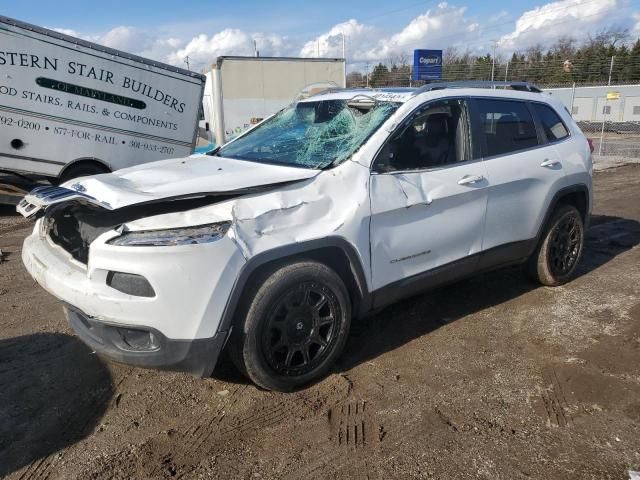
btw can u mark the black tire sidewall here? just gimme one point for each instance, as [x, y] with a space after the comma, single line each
[76, 171]
[249, 349]
[543, 269]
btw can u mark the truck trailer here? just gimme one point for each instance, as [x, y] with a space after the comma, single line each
[69, 107]
[240, 92]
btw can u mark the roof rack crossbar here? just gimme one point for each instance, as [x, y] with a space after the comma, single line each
[521, 86]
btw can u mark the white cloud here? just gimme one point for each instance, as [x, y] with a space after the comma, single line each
[442, 26]
[204, 49]
[66, 31]
[367, 44]
[358, 37]
[551, 21]
[126, 38]
[636, 25]
[432, 29]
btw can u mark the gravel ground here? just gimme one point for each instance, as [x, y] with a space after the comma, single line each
[493, 377]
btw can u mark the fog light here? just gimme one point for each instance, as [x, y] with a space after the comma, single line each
[130, 284]
[140, 340]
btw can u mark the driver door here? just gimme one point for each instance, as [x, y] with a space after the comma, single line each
[428, 201]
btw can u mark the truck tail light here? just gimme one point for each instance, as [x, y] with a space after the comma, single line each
[591, 147]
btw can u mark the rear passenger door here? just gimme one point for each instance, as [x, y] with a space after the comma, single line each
[523, 169]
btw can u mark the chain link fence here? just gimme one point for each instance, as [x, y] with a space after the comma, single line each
[602, 94]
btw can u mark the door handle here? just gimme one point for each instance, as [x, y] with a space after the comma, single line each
[549, 163]
[470, 179]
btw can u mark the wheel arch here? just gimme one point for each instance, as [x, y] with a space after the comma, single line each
[576, 195]
[84, 161]
[335, 252]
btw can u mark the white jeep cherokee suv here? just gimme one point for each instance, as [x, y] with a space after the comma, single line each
[334, 207]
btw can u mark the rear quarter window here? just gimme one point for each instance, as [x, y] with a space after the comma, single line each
[551, 123]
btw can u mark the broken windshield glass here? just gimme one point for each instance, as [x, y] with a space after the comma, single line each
[314, 134]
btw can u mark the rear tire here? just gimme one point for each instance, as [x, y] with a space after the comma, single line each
[555, 260]
[294, 327]
[81, 170]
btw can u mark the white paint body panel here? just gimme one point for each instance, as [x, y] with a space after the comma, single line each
[190, 282]
[386, 218]
[519, 187]
[422, 220]
[183, 177]
[59, 126]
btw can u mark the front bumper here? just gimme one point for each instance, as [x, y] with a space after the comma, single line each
[192, 283]
[198, 357]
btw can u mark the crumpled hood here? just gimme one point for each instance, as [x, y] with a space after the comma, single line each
[182, 178]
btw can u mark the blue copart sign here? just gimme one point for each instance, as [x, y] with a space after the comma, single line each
[427, 64]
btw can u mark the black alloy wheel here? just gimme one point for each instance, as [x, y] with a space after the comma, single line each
[566, 243]
[300, 329]
[292, 326]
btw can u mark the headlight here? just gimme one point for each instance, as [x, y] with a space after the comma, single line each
[173, 236]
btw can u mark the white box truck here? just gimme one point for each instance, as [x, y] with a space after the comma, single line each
[69, 107]
[242, 91]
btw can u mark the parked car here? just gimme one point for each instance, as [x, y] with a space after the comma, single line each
[336, 206]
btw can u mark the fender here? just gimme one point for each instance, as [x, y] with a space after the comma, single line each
[288, 251]
[577, 188]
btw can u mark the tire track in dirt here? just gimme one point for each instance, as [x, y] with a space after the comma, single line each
[349, 424]
[23, 225]
[248, 415]
[352, 437]
[554, 400]
[198, 434]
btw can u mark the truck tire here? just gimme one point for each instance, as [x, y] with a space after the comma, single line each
[555, 259]
[294, 327]
[82, 169]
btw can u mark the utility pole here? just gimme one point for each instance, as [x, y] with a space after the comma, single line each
[318, 48]
[255, 48]
[186, 60]
[367, 73]
[344, 56]
[493, 58]
[604, 108]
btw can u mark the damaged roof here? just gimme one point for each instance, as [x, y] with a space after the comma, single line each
[399, 94]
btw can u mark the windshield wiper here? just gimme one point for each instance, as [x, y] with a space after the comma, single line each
[214, 152]
[329, 165]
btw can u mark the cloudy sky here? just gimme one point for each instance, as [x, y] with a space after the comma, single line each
[374, 30]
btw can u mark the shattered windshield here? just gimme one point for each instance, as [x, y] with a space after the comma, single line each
[315, 134]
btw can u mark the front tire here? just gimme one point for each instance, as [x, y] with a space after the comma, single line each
[556, 258]
[295, 327]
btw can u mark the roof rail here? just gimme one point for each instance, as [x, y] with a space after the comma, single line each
[521, 86]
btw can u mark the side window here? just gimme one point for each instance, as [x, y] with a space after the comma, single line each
[435, 135]
[551, 123]
[506, 125]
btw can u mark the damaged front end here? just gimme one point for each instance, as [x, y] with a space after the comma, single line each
[129, 304]
[73, 219]
[74, 225]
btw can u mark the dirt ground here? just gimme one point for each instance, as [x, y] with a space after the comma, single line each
[493, 377]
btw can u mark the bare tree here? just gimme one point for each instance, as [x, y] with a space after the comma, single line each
[450, 55]
[609, 37]
[564, 47]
